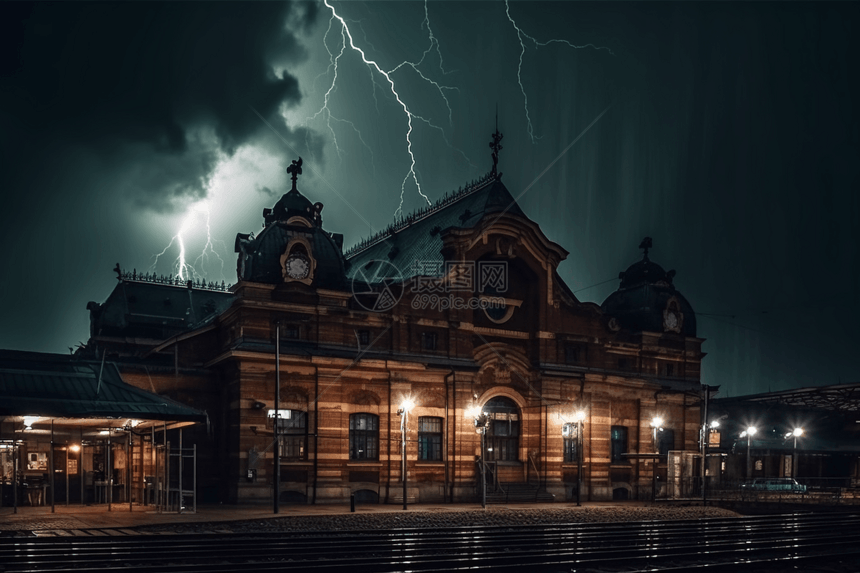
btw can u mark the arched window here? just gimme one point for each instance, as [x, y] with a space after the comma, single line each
[363, 437]
[503, 433]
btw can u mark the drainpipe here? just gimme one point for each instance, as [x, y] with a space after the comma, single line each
[445, 454]
[316, 429]
[388, 438]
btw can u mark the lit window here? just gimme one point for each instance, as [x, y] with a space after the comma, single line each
[571, 444]
[293, 430]
[503, 433]
[363, 437]
[429, 439]
[619, 444]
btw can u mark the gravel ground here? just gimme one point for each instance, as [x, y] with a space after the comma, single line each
[442, 518]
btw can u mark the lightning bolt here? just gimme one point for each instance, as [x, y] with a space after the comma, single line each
[324, 110]
[181, 267]
[520, 35]
[371, 63]
[209, 247]
[347, 40]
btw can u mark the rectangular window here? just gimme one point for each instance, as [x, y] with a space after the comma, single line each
[293, 431]
[571, 445]
[290, 331]
[665, 441]
[428, 341]
[619, 444]
[363, 337]
[363, 437]
[626, 364]
[430, 439]
[575, 354]
[503, 437]
[669, 369]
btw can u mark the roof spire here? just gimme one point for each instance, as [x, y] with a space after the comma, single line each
[645, 245]
[496, 145]
[295, 169]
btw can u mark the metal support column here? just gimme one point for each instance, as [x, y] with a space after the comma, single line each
[109, 474]
[277, 421]
[52, 470]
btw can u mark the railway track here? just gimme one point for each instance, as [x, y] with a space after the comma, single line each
[772, 543]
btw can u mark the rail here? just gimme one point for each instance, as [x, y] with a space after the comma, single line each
[720, 544]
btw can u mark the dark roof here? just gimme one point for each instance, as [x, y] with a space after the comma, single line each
[142, 309]
[54, 385]
[418, 237]
[643, 295]
[262, 254]
[838, 398]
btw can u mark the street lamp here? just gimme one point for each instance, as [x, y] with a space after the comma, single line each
[403, 412]
[750, 432]
[656, 423]
[482, 420]
[580, 418]
[797, 432]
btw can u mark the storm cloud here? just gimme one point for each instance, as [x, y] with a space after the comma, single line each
[157, 92]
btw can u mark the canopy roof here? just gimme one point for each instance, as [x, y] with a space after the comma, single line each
[52, 385]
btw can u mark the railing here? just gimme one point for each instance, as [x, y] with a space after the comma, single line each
[171, 280]
[537, 472]
[819, 491]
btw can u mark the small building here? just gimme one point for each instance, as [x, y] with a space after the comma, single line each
[72, 431]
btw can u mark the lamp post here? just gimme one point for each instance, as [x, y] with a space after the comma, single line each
[482, 420]
[656, 423]
[276, 490]
[580, 418]
[403, 412]
[797, 432]
[750, 433]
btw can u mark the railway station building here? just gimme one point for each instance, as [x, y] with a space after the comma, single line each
[449, 335]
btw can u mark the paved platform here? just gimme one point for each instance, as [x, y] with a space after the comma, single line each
[77, 517]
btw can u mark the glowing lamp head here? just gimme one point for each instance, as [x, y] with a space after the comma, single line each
[29, 421]
[715, 424]
[657, 422]
[580, 415]
[407, 405]
[797, 432]
[752, 430]
[75, 448]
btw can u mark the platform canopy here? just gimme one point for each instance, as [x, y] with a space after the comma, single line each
[55, 386]
[838, 398]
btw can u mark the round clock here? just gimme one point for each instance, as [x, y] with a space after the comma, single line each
[297, 267]
[671, 321]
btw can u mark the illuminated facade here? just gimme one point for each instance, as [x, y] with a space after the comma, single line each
[455, 307]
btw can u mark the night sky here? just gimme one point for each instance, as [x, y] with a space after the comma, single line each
[727, 132]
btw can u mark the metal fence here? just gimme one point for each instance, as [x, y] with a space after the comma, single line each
[819, 491]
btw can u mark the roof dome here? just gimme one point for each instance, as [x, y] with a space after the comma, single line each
[647, 300]
[293, 203]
